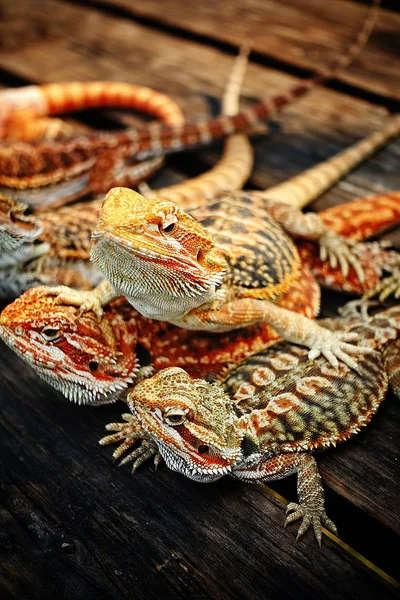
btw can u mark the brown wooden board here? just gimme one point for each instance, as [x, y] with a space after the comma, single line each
[81, 527]
[79, 42]
[76, 523]
[303, 33]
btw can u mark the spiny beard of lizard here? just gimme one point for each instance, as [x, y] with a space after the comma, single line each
[88, 360]
[159, 257]
[276, 401]
[191, 421]
[156, 344]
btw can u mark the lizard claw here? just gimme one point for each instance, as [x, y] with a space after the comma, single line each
[85, 300]
[335, 346]
[128, 434]
[340, 251]
[146, 450]
[386, 287]
[312, 513]
[357, 308]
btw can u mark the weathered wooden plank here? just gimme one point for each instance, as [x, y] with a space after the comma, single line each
[366, 470]
[78, 42]
[69, 511]
[304, 33]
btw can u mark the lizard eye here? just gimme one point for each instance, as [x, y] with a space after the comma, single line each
[169, 223]
[49, 334]
[203, 449]
[175, 416]
[169, 228]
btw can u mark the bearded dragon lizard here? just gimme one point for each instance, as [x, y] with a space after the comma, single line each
[219, 273]
[93, 359]
[92, 160]
[55, 246]
[171, 268]
[266, 416]
[19, 109]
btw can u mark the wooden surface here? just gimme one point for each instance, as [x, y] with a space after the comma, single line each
[75, 526]
[300, 33]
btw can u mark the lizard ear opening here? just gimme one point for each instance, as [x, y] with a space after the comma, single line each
[200, 256]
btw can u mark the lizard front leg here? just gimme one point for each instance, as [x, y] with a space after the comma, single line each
[288, 324]
[310, 508]
[386, 287]
[86, 300]
[333, 247]
[128, 433]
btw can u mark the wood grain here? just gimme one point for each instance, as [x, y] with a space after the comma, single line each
[75, 526]
[79, 42]
[303, 33]
[69, 510]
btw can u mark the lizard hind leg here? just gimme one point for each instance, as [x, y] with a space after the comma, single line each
[310, 508]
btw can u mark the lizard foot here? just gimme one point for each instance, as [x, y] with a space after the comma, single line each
[335, 346]
[312, 513]
[128, 434]
[340, 251]
[357, 308]
[86, 300]
[146, 450]
[386, 287]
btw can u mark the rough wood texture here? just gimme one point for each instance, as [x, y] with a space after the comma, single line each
[78, 42]
[158, 535]
[303, 33]
[73, 524]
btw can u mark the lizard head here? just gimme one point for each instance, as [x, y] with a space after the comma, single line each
[191, 421]
[156, 245]
[89, 360]
[16, 227]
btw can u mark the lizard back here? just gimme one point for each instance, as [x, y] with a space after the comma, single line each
[262, 260]
[293, 403]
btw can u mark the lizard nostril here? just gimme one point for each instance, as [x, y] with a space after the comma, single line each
[93, 365]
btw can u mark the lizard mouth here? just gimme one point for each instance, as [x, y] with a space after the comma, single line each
[183, 462]
[143, 251]
[52, 366]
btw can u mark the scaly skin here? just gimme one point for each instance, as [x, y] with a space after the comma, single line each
[230, 173]
[218, 273]
[21, 108]
[155, 345]
[93, 161]
[86, 357]
[64, 234]
[71, 174]
[267, 415]
[55, 247]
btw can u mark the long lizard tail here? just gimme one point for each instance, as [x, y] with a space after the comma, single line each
[309, 185]
[233, 169]
[170, 139]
